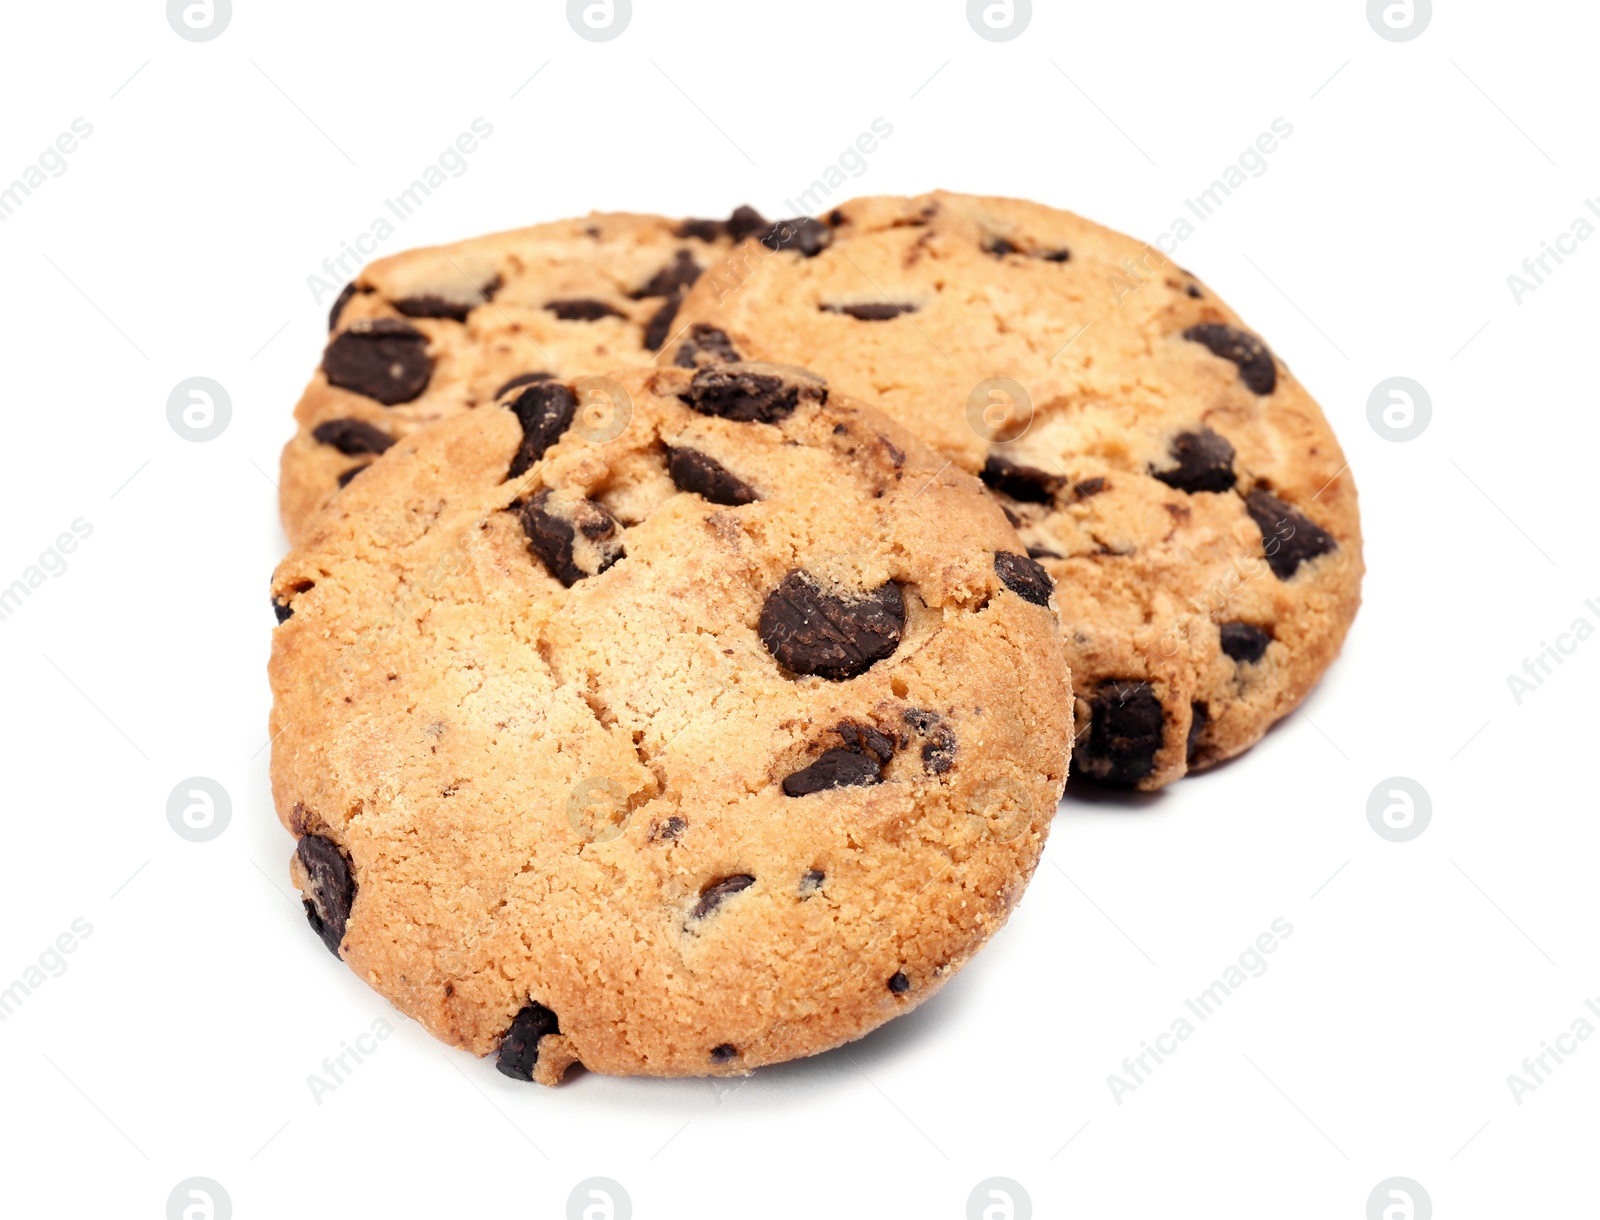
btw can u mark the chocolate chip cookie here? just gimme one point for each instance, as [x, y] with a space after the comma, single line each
[674, 723]
[422, 335]
[1162, 465]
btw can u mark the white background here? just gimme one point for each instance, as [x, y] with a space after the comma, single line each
[178, 243]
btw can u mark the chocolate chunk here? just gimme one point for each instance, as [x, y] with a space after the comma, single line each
[812, 632]
[1288, 536]
[522, 379]
[693, 471]
[551, 538]
[812, 882]
[1194, 291]
[659, 326]
[545, 410]
[1199, 717]
[669, 830]
[680, 273]
[725, 1053]
[939, 739]
[1025, 577]
[383, 358]
[1244, 642]
[1125, 732]
[1000, 247]
[1257, 369]
[283, 610]
[870, 311]
[836, 768]
[519, 1048]
[582, 309]
[749, 397]
[1089, 487]
[1204, 462]
[745, 221]
[352, 436]
[431, 305]
[345, 476]
[705, 230]
[343, 299]
[810, 237]
[1026, 483]
[333, 888]
[899, 983]
[864, 739]
[706, 341]
[1063, 255]
[718, 891]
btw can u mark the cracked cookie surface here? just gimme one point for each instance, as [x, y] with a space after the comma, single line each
[425, 334]
[664, 765]
[1180, 486]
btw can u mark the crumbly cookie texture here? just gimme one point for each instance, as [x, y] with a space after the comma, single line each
[422, 335]
[1183, 489]
[706, 723]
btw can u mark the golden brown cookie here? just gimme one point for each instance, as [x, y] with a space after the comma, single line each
[1183, 489]
[422, 335]
[679, 725]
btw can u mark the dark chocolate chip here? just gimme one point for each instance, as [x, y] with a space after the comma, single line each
[709, 341]
[693, 471]
[1089, 487]
[669, 830]
[870, 311]
[681, 272]
[430, 305]
[803, 233]
[1044, 552]
[333, 888]
[836, 768]
[1025, 483]
[1244, 642]
[725, 1053]
[1125, 732]
[812, 632]
[343, 299]
[812, 882]
[1204, 462]
[345, 476]
[582, 309]
[519, 1048]
[1000, 247]
[705, 230]
[352, 436]
[522, 379]
[899, 983]
[745, 221]
[1288, 536]
[659, 326]
[718, 891]
[551, 538]
[1199, 717]
[545, 410]
[1257, 369]
[283, 610]
[1194, 291]
[864, 739]
[748, 397]
[939, 740]
[383, 358]
[1063, 255]
[1025, 577]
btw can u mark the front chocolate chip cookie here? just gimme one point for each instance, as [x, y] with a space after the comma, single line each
[714, 742]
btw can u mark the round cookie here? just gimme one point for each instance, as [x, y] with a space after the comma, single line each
[1183, 489]
[724, 732]
[421, 335]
